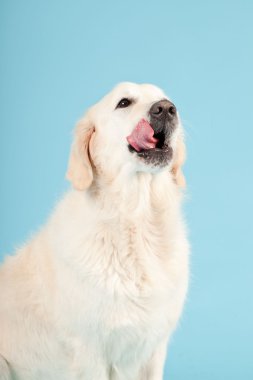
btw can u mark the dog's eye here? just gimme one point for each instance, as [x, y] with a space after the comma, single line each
[123, 103]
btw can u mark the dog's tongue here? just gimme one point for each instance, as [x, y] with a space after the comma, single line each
[142, 136]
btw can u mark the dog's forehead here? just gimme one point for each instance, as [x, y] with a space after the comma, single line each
[137, 91]
[140, 93]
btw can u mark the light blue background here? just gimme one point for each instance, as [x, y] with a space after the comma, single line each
[59, 57]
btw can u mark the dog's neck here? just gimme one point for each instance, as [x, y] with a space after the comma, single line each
[136, 193]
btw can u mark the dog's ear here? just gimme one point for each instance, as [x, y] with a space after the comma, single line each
[79, 168]
[178, 161]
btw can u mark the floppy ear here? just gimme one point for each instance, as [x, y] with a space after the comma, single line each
[179, 159]
[79, 168]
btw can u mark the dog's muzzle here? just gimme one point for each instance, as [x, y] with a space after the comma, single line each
[151, 140]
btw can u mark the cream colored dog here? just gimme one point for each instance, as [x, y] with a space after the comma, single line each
[96, 294]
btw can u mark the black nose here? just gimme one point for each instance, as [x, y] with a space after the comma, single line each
[163, 109]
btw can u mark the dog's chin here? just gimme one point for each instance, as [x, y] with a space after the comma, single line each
[158, 157]
[161, 154]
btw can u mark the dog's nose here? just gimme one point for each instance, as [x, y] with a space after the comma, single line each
[163, 109]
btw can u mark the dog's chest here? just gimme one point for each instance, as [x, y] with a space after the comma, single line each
[123, 288]
[128, 287]
[132, 255]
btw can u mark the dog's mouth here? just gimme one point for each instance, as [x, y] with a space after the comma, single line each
[150, 146]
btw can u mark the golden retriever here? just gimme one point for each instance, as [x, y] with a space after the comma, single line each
[97, 293]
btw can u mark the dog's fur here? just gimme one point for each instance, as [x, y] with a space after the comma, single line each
[96, 294]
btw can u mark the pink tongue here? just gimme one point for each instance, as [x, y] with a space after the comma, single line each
[142, 136]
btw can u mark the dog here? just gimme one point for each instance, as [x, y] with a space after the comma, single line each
[97, 293]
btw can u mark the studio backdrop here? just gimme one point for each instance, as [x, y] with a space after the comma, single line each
[59, 57]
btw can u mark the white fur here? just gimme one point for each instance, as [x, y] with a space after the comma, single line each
[96, 294]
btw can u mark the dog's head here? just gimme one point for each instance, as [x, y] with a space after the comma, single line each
[134, 128]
